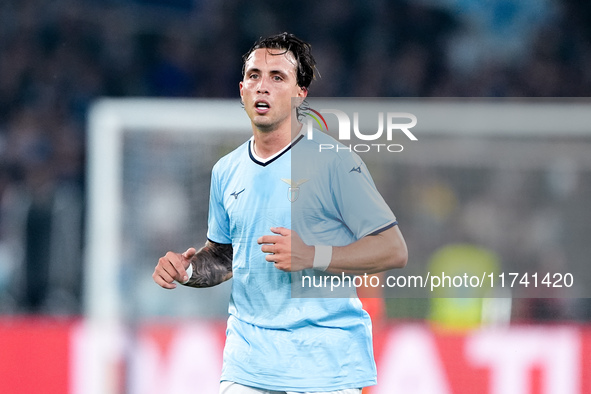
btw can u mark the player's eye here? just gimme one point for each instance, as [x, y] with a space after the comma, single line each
[277, 78]
[253, 76]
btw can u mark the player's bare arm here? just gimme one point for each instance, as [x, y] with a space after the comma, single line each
[370, 254]
[211, 265]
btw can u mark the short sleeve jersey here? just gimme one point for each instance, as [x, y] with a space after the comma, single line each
[273, 340]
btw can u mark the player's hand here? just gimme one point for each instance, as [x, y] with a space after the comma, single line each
[171, 267]
[286, 250]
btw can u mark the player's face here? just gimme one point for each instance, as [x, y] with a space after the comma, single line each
[267, 88]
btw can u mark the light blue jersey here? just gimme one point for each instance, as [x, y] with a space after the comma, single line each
[276, 341]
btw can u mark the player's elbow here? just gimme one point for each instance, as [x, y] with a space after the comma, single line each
[393, 258]
[399, 257]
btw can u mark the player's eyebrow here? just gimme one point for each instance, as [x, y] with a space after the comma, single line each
[278, 72]
[252, 70]
[272, 72]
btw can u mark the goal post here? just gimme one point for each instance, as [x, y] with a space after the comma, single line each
[109, 120]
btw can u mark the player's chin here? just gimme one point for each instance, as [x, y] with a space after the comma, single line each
[263, 123]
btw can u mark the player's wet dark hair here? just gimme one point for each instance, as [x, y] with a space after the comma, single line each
[288, 42]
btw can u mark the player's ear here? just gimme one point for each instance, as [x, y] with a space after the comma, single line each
[240, 85]
[303, 93]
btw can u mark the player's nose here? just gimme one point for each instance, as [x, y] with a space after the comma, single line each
[262, 86]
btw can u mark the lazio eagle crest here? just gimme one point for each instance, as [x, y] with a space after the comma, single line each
[294, 188]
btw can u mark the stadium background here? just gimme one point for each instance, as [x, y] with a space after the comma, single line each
[57, 58]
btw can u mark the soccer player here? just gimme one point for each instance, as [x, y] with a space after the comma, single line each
[271, 218]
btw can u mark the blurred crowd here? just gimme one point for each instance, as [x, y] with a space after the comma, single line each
[57, 57]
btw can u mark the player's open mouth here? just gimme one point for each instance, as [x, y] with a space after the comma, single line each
[261, 107]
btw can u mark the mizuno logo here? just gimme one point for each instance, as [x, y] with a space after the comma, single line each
[235, 194]
[356, 169]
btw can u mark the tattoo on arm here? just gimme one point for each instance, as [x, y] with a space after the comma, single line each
[212, 265]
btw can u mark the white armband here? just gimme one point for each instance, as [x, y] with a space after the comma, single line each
[322, 257]
[189, 274]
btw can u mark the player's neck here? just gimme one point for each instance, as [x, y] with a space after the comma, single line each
[267, 143]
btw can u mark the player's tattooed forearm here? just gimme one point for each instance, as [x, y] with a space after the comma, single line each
[212, 265]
